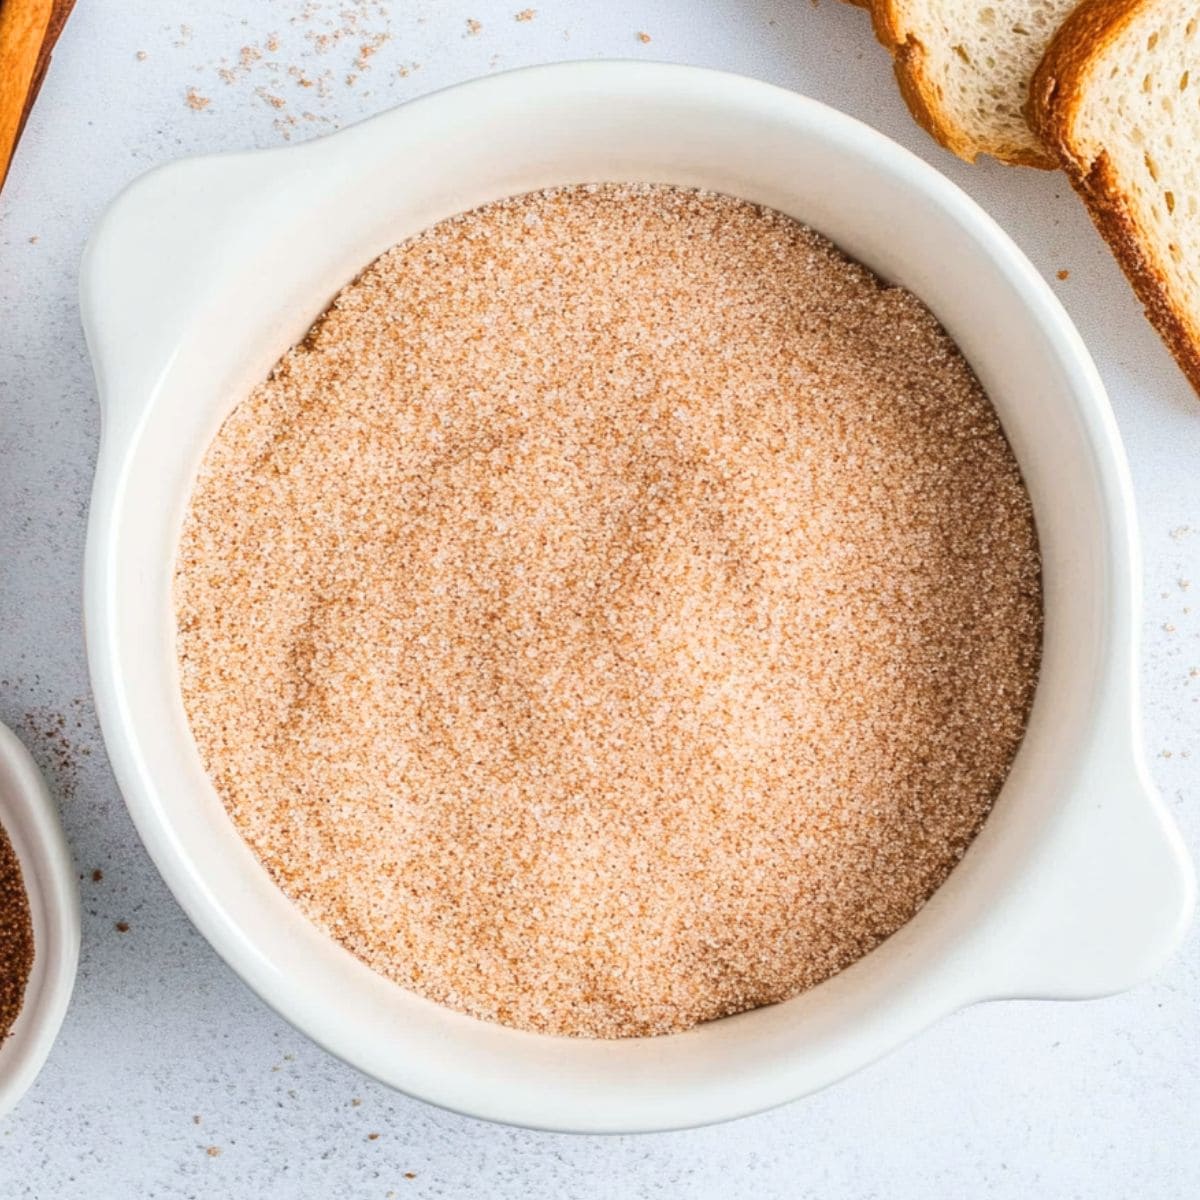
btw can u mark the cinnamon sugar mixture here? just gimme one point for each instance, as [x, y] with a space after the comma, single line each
[622, 610]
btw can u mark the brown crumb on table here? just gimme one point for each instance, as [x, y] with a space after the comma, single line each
[33, 241]
[410, 1174]
[195, 101]
[355, 1102]
[97, 875]
[593, 624]
[526, 14]
[54, 747]
[273, 100]
[196, 1119]
[273, 43]
[141, 56]
[644, 38]
[369, 49]
[473, 26]
[1064, 274]
[122, 926]
[213, 1152]
[372, 1137]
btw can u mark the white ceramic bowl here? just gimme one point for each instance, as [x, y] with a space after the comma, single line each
[205, 271]
[30, 819]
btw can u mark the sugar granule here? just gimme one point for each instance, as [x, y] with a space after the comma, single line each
[621, 610]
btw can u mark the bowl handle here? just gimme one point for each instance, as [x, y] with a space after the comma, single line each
[149, 262]
[1107, 898]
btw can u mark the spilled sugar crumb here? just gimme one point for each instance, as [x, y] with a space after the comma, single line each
[473, 26]
[195, 101]
[1064, 274]
[57, 741]
[644, 38]
[620, 611]
[526, 14]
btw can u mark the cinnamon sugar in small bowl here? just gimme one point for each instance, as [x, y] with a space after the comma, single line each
[619, 612]
[204, 274]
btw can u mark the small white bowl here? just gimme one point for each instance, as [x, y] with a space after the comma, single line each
[30, 819]
[205, 271]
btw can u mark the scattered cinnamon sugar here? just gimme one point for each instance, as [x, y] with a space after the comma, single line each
[213, 1152]
[527, 14]
[16, 938]
[1064, 274]
[644, 38]
[620, 611]
[473, 26]
[122, 927]
[195, 101]
[53, 740]
[97, 875]
[346, 40]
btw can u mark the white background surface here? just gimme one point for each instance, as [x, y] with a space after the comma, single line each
[165, 1054]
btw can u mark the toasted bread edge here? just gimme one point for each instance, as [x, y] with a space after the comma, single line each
[1054, 98]
[908, 55]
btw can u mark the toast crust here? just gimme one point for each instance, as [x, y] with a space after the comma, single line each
[1054, 101]
[921, 95]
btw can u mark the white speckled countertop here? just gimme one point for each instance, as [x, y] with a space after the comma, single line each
[170, 1079]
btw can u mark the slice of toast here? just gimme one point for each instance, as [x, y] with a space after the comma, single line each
[964, 69]
[1117, 98]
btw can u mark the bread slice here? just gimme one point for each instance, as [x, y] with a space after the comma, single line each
[964, 68]
[1117, 98]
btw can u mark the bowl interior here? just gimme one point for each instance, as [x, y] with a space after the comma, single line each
[253, 247]
[29, 817]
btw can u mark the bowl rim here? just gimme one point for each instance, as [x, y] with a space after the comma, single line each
[1087, 396]
[29, 816]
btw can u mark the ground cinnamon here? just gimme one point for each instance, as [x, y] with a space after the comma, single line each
[16, 937]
